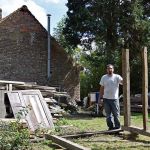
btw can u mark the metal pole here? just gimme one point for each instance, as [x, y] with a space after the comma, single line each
[0, 13]
[49, 50]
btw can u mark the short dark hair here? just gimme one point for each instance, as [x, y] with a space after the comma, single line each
[110, 65]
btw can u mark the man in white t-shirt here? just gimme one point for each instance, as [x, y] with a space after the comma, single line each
[109, 95]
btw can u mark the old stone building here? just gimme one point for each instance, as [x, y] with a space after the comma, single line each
[23, 54]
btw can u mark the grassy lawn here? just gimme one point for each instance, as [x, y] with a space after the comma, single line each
[124, 140]
[79, 124]
[90, 123]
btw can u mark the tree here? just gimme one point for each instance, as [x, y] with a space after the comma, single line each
[106, 22]
[59, 36]
[112, 25]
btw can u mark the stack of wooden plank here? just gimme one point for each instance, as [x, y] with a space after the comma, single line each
[136, 103]
[54, 107]
[62, 98]
[46, 91]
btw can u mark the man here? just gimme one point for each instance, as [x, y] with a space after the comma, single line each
[109, 92]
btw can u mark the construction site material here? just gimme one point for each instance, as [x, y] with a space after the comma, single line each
[65, 143]
[85, 134]
[30, 105]
[45, 90]
[134, 129]
[135, 107]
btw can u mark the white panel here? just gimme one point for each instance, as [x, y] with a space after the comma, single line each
[38, 112]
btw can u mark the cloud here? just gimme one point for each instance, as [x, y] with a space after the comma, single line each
[54, 1]
[8, 6]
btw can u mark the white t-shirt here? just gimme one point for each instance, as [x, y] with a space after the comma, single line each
[111, 85]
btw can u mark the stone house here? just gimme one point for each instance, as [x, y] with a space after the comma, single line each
[23, 54]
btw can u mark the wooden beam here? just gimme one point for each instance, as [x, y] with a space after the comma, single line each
[145, 88]
[136, 130]
[81, 135]
[126, 87]
[11, 82]
[65, 143]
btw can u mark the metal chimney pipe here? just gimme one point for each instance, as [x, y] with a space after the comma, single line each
[0, 13]
[49, 50]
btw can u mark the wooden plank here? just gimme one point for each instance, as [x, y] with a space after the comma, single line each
[11, 82]
[136, 130]
[38, 115]
[36, 108]
[145, 88]
[15, 102]
[41, 111]
[65, 143]
[9, 87]
[81, 135]
[46, 115]
[30, 116]
[2, 105]
[46, 110]
[126, 87]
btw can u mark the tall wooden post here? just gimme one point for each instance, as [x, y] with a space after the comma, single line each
[126, 87]
[145, 88]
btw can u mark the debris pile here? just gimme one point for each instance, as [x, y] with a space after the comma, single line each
[136, 103]
[59, 103]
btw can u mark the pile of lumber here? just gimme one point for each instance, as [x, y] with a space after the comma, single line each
[45, 90]
[136, 103]
[57, 101]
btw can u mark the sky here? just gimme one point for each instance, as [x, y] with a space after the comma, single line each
[39, 8]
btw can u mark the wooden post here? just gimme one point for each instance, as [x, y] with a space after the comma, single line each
[7, 87]
[10, 87]
[145, 88]
[126, 87]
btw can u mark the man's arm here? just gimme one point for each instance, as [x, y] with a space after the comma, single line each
[121, 82]
[101, 93]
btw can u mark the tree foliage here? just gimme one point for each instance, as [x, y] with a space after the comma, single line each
[111, 25]
[107, 21]
[60, 37]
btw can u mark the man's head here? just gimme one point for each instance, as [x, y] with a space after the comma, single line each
[110, 69]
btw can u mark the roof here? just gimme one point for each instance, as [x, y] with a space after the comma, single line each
[24, 8]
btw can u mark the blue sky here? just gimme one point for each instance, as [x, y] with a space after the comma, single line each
[39, 8]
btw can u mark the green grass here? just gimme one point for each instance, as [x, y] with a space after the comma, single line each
[137, 119]
[87, 123]
[125, 141]
[90, 123]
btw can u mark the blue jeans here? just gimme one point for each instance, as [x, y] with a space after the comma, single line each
[112, 110]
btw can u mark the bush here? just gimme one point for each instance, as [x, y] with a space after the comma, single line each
[13, 136]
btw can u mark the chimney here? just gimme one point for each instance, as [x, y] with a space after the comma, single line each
[0, 13]
[49, 48]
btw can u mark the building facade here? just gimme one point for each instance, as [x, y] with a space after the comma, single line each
[24, 50]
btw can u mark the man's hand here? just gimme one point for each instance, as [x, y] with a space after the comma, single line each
[101, 102]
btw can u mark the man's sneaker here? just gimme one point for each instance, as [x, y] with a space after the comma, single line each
[115, 128]
[110, 129]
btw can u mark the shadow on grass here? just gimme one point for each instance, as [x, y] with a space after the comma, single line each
[80, 116]
[138, 114]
